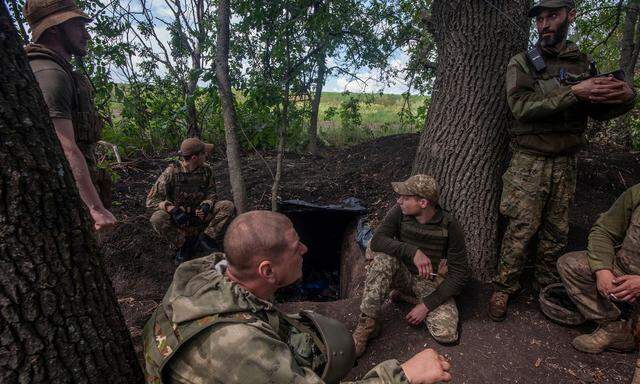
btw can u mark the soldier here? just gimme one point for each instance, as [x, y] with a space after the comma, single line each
[551, 93]
[187, 212]
[58, 29]
[606, 277]
[217, 324]
[415, 238]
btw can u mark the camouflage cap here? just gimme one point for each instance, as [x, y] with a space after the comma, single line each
[193, 146]
[418, 185]
[547, 4]
[44, 14]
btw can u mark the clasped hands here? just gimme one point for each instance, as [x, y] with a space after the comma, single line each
[603, 90]
[622, 288]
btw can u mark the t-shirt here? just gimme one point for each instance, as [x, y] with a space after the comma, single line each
[57, 87]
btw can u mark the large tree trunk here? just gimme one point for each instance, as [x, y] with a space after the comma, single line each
[228, 109]
[629, 50]
[464, 142]
[59, 318]
[315, 104]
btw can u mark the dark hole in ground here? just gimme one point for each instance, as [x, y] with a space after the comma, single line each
[322, 229]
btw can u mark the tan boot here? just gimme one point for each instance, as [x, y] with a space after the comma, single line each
[498, 305]
[614, 335]
[366, 329]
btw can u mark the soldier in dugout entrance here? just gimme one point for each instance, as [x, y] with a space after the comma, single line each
[188, 213]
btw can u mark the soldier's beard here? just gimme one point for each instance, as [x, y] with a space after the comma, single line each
[559, 36]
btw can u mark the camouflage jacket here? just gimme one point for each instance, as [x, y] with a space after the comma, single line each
[549, 117]
[617, 229]
[183, 188]
[233, 336]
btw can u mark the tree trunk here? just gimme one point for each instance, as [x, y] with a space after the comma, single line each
[193, 129]
[228, 109]
[464, 142]
[59, 318]
[315, 105]
[629, 49]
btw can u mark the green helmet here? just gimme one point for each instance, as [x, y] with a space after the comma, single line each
[556, 304]
[341, 353]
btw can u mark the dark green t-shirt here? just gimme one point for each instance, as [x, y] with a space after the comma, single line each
[57, 87]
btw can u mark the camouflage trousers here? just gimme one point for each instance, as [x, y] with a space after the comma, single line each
[536, 195]
[214, 225]
[385, 273]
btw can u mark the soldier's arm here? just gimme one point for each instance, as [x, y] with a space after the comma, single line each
[458, 269]
[384, 238]
[610, 229]
[157, 196]
[603, 112]
[528, 104]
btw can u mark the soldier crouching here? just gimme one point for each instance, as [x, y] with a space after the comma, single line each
[188, 215]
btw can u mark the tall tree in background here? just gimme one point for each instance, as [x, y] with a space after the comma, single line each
[59, 318]
[228, 108]
[464, 142]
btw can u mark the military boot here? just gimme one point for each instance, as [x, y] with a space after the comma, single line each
[366, 329]
[498, 305]
[614, 335]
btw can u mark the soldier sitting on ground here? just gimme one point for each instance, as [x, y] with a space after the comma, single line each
[606, 277]
[416, 238]
[218, 325]
[187, 214]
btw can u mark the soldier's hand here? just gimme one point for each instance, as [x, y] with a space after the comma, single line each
[417, 314]
[427, 367]
[423, 264]
[605, 90]
[604, 281]
[102, 218]
[626, 288]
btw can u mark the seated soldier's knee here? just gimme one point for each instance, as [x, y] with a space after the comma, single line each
[566, 263]
[160, 218]
[225, 206]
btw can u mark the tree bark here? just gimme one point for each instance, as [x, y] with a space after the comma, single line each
[629, 50]
[315, 104]
[59, 318]
[464, 142]
[228, 109]
[193, 129]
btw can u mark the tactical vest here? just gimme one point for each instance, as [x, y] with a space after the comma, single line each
[163, 339]
[87, 124]
[572, 119]
[189, 189]
[628, 256]
[435, 235]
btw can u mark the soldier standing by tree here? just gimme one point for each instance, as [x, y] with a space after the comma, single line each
[551, 92]
[58, 28]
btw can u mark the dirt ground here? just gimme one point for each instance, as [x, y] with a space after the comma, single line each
[525, 348]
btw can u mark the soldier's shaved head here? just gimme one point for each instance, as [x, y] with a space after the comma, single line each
[255, 236]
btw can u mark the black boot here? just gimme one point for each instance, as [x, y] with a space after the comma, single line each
[208, 245]
[185, 253]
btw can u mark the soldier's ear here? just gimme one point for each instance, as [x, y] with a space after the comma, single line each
[265, 271]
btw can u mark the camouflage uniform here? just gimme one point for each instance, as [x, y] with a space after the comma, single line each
[188, 190]
[385, 273]
[210, 330]
[618, 228]
[540, 183]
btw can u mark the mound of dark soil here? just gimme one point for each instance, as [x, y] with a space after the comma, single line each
[525, 348]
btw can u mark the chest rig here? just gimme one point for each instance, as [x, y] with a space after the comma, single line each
[190, 189]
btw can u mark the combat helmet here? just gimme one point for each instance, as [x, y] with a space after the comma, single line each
[44, 14]
[556, 304]
[341, 353]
